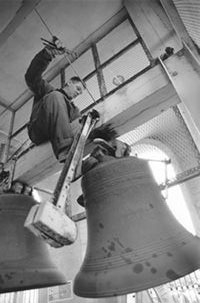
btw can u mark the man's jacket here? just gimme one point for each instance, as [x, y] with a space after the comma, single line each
[40, 87]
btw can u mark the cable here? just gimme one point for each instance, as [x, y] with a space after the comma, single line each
[74, 70]
[45, 24]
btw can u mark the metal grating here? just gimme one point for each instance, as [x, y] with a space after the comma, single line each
[26, 296]
[85, 99]
[115, 41]
[169, 133]
[83, 66]
[60, 293]
[127, 65]
[186, 289]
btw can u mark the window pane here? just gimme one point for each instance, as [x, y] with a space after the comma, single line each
[125, 66]
[85, 99]
[115, 41]
[22, 115]
[56, 82]
[19, 140]
[83, 66]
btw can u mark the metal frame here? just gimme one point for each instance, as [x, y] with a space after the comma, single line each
[116, 21]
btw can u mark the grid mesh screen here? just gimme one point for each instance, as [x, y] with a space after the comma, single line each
[125, 66]
[169, 133]
[185, 289]
[56, 82]
[115, 41]
[82, 66]
[85, 99]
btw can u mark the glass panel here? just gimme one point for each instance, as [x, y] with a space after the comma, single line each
[56, 82]
[161, 173]
[5, 120]
[85, 99]
[21, 140]
[83, 66]
[125, 67]
[60, 293]
[115, 41]
[2, 109]
[22, 115]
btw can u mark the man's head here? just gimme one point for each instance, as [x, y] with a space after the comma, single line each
[74, 87]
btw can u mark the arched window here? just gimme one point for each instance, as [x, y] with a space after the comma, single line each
[162, 171]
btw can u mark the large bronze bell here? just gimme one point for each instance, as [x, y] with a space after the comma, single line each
[24, 259]
[134, 241]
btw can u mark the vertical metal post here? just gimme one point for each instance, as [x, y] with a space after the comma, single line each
[149, 295]
[62, 77]
[171, 288]
[158, 296]
[2, 152]
[7, 147]
[15, 297]
[100, 77]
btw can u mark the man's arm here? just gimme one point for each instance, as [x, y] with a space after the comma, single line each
[33, 76]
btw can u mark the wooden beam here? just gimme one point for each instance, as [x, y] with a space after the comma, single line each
[139, 101]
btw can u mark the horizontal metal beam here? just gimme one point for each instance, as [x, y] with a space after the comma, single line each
[181, 178]
[3, 103]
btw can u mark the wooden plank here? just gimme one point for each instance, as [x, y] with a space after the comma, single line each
[139, 101]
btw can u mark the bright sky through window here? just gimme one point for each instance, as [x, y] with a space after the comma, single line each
[173, 195]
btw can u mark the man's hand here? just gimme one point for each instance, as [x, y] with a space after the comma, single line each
[56, 47]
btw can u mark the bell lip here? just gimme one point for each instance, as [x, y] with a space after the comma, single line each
[108, 294]
[36, 286]
[32, 279]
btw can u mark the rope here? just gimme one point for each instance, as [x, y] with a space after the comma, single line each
[65, 56]
[45, 24]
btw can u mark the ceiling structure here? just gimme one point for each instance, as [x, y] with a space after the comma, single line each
[78, 24]
[22, 28]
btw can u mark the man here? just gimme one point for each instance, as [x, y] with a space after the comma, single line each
[53, 109]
